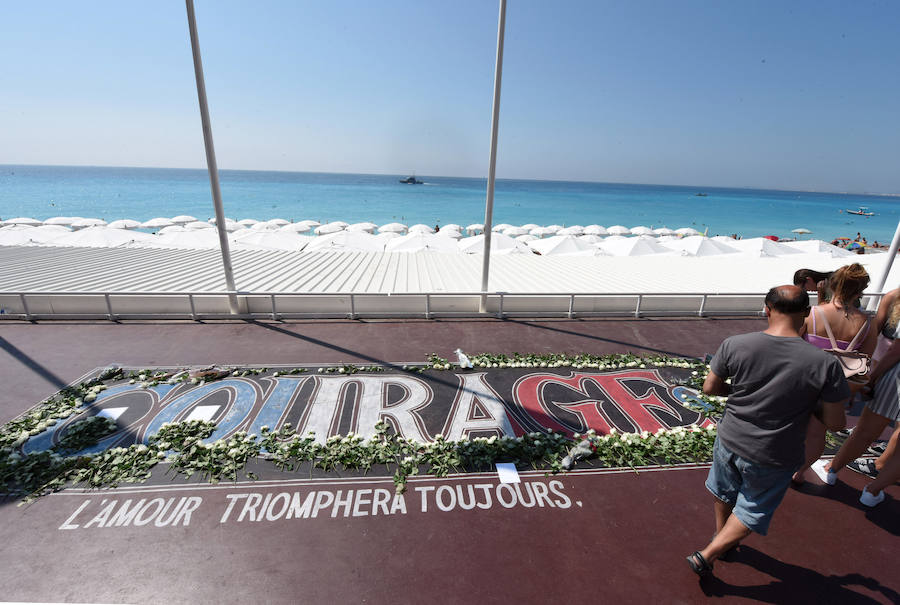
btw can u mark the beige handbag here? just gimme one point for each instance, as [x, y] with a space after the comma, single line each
[856, 365]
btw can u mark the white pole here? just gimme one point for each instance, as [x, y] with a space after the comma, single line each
[492, 171]
[892, 254]
[211, 160]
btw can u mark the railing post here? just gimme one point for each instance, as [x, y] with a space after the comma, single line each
[109, 311]
[500, 309]
[352, 307]
[274, 310]
[571, 306]
[637, 308]
[428, 306]
[25, 306]
[193, 309]
[702, 306]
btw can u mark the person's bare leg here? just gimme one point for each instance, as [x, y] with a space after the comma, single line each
[728, 537]
[887, 475]
[723, 511]
[815, 445]
[867, 430]
[889, 449]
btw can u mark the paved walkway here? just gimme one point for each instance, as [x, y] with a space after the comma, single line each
[609, 535]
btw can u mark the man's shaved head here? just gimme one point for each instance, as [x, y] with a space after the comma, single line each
[788, 299]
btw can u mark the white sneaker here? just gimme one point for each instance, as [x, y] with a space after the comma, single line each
[869, 500]
[818, 467]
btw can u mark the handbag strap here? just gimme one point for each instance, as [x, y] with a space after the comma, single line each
[864, 328]
[828, 330]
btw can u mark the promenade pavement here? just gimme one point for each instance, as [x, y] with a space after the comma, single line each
[613, 536]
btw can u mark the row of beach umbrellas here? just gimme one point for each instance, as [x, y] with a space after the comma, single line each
[310, 226]
[446, 241]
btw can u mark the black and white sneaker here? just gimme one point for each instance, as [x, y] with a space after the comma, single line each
[877, 448]
[864, 466]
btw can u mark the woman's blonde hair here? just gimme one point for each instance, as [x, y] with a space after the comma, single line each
[848, 283]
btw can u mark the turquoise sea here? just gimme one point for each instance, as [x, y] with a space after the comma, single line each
[144, 193]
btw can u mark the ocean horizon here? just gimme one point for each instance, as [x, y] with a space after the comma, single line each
[143, 193]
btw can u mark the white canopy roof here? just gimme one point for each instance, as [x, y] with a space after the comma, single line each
[101, 237]
[697, 245]
[760, 246]
[634, 246]
[271, 240]
[815, 246]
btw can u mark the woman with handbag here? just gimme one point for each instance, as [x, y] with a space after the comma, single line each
[883, 408]
[840, 327]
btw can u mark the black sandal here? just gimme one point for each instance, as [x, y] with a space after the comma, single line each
[699, 564]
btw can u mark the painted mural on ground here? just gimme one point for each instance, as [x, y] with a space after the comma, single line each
[114, 427]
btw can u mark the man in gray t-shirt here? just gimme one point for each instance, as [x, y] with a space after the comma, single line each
[777, 381]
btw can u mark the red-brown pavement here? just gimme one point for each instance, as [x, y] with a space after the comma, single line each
[625, 542]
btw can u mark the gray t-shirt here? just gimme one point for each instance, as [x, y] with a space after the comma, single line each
[776, 384]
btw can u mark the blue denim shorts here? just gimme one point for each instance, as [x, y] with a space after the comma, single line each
[755, 490]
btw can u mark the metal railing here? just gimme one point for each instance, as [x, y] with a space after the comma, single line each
[427, 305]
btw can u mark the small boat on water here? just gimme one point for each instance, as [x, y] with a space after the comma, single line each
[412, 180]
[700, 195]
[862, 211]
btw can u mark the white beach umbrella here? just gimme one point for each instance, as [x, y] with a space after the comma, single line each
[697, 245]
[62, 220]
[262, 226]
[514, 231]
[125, 223]
[562, 245]
[635, 246]
[618, 230]
[172, 229]
[247, 222]
[235, 228]
[474, 228]
[198, 225]
[328, 228]
[157, 223]
[500, 244]
[189, 238]
[591, 239]
[422, 242]
[664, 231]
[642, 230]
[526, 238]
[101, 237]
[367, 227]
[26, 235]
[815, 246]
[387, 236]
[541, 231]
[420, 228]
[762, 247]
[272, 240]
[451, 227]
[451, 233]
[573, 230]
[393, 228]
[801, 231]
[686, 231]
[529, 226]
[553, 228]
[23, 220]
[301, 227]
[212, 221]
[595, 230]
[84, 223]
[501, 227]
[278, 222]
[346, 241]
[183, 219]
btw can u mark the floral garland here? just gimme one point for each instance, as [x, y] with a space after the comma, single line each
[181, 444]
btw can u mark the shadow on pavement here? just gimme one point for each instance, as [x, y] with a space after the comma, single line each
[793, 583]
[31, 364]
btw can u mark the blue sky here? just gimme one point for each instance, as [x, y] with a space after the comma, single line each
[797, 95]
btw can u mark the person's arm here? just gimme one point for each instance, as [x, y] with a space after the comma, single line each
[831, 413]
[715, 385]
[892, 355]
